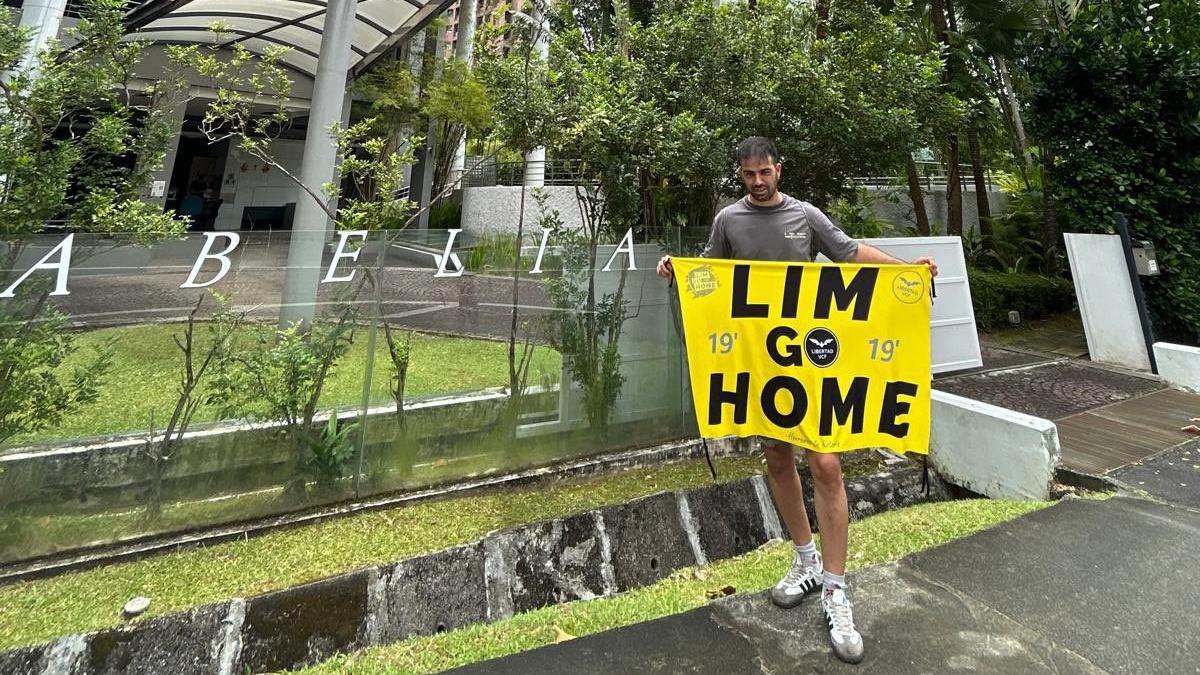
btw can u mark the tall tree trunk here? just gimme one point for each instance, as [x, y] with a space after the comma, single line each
[953, 188]
[822, 18]
[953, 179]
[1049, 208]
[1013, 109]
[918, 198]
[648, 215]
[982, 208]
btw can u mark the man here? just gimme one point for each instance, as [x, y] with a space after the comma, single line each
[769, 225]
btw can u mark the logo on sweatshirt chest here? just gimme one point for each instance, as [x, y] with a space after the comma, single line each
[796, 235]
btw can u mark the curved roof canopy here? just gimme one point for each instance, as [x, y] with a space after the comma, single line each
[258, 24]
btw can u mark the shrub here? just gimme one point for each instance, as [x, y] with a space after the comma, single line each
[445, 215]
[994, 294]
[1114, 103]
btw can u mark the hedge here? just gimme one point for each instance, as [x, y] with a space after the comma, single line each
[994, 294]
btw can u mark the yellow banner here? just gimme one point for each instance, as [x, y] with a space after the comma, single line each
[826, 357]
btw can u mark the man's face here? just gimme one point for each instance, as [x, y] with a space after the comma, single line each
[761, 178]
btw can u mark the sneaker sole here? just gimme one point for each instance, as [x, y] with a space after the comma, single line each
[786, 602]
[844, 658]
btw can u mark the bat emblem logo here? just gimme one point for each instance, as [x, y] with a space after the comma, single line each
[821, 347]
[908, 287]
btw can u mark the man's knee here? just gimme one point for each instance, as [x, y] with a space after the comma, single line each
[780, 459]
[826, 469]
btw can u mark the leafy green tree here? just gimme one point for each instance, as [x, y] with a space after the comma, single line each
[703, 77]
[77, 145]
[525, 119]
[1116, 96]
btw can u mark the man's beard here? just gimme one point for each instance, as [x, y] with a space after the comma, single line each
[767, 194]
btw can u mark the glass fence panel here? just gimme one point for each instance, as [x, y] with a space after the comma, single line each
[224, 377]
[156, 386]
[590, 348]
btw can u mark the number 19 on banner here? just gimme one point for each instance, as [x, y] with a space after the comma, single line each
[722, 343]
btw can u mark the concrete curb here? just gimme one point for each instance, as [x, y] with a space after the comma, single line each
[583, 556]
[1178, 365]
[993, 451]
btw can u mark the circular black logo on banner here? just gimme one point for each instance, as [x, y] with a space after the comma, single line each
[821, 346]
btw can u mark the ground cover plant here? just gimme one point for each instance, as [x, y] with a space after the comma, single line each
[142, 377]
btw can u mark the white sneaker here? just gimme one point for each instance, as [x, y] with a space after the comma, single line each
[802, 578]
[847, 642]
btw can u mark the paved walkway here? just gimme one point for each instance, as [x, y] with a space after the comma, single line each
[1106, 418]
[1084, 586]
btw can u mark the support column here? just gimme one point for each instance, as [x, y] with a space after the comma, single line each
[311, 225]
[44, 18]
[422, 176]
[535, 160]
[465, 51]
[160, 179]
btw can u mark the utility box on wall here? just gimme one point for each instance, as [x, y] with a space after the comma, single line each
[1145, 259]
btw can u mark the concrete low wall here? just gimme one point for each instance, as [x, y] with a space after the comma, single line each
[894, 204]
[222, 460]
[587, 555]
[1178, 366]
[493, 210]
[991, 450]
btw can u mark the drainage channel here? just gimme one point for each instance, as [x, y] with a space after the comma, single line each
[580, 557]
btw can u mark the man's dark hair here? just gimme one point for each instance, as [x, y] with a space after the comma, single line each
[757, 147]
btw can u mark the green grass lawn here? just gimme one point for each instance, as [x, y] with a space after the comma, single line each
[879, 539]
[39, 610]
[145, 376]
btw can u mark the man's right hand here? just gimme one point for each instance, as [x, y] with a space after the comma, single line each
[665, 269]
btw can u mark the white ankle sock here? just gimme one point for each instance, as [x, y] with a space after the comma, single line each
[832, 581]
[807, 553]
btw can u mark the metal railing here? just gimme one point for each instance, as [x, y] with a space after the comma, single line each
[489, 174]
[933, 176]
[76, 7]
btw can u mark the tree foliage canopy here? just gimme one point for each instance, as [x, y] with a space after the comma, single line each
[1116, 98]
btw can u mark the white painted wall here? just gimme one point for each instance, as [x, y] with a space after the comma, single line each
[1178, 366]
[252, 187]
[1102, 286]
[994, 451]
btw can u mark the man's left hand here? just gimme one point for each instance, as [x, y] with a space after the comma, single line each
[927, 260]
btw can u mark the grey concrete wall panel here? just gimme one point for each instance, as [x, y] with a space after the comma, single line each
[306, 624]
[648, 540]
[435, 593]
[496, 209]
[553, 562]
[727, 519]
[1106, 302]
[181, 644]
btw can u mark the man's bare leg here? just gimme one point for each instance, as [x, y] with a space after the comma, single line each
[787, 491]
[833, 517]
[805, 573]
[833, 513]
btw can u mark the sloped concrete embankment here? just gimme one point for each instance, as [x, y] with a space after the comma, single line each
[587, 555]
